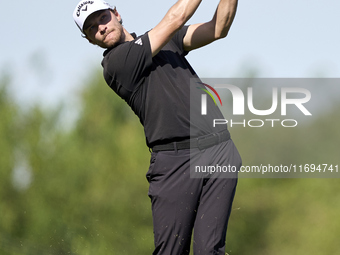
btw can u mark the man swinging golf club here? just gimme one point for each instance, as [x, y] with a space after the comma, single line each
[151, 74]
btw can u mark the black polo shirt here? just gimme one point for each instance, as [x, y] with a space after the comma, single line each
[158, 89]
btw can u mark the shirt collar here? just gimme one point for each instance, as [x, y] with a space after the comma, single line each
[109, 49]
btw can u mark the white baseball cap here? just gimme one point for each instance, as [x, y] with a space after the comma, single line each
[85, 8]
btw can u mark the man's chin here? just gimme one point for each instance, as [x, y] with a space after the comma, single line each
[111, 43]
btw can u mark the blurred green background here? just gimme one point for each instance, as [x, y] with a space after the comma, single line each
[72, 168]
[81, 188]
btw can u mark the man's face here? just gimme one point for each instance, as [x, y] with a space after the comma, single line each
[102, 28]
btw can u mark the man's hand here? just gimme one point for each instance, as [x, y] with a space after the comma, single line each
[199, 35]
[174, 20]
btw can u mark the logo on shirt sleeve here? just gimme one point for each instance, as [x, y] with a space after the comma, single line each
[139, 41]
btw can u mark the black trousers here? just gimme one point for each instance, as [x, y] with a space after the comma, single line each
[182, 204]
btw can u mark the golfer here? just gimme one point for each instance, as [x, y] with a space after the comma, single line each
[150, 72]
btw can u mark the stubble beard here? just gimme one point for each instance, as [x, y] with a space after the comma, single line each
[114, 37]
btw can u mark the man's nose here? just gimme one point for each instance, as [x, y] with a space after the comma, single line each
[102, 28]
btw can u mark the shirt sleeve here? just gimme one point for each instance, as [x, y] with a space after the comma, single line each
[178, 39]
[125, 67]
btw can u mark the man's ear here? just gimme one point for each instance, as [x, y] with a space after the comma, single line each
[119, 18]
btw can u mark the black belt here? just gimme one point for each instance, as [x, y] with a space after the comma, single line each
[202, 142]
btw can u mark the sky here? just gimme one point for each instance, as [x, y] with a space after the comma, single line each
[42, 48]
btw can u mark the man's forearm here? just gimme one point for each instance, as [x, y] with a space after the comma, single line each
[174, 19]
[182, 11]
[224, 17]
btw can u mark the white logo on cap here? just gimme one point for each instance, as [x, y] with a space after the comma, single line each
[81, 6]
